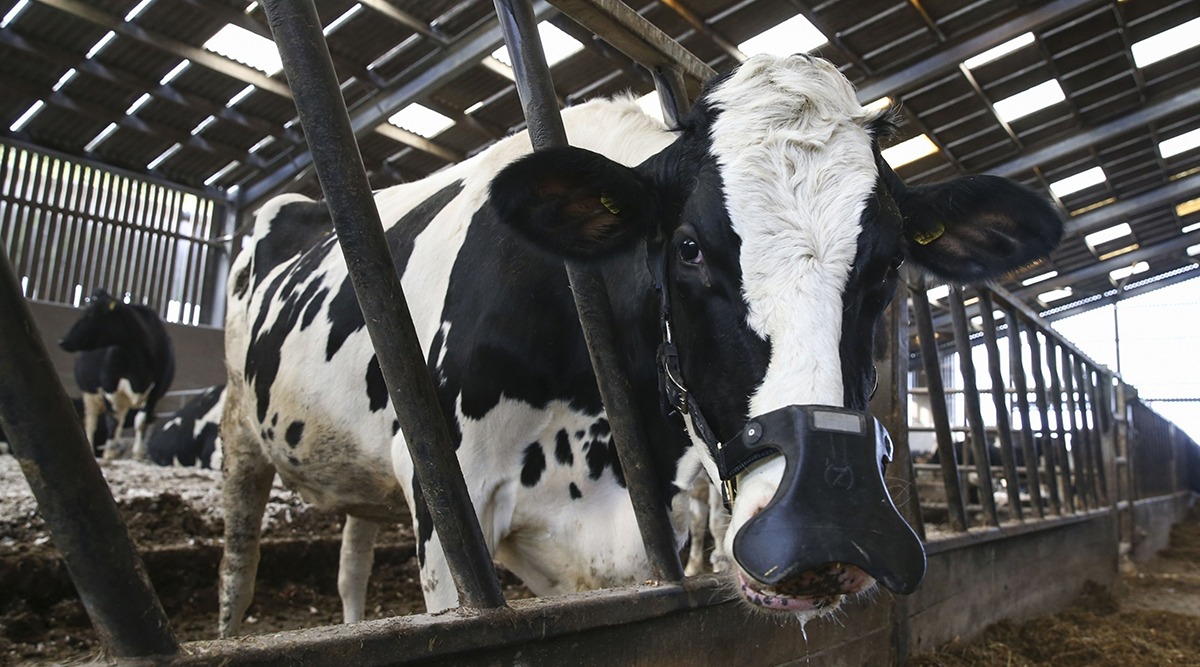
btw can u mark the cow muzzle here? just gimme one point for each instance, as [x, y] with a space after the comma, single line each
[831, 522]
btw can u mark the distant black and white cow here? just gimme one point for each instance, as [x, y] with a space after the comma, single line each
[772, 230]
[192, 435]
[125, 357]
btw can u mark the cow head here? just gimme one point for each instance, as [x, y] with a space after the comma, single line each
[99, 326]
[775, 230]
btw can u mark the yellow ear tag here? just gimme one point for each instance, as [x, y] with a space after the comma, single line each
[610, 204]
[925, 238]
[112, 305]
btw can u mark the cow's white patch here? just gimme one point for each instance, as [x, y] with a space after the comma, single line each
[797, 168]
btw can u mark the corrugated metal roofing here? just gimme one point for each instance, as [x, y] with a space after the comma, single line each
[1113, 115]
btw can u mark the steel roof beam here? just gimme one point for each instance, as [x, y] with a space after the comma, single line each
[428, 74]
[948, 58]
[1085, 139]
[1123, 294]
[1143, 254]
[1119, 211]
[195, 54]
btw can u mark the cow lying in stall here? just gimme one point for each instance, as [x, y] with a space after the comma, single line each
[762, 237]
[125, 358]
[192, 435]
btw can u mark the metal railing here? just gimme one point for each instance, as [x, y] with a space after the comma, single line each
[1057, 438]
[70, 228]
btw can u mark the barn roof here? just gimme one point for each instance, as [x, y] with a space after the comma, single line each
[105, 80]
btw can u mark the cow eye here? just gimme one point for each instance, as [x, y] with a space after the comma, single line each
[689, 251]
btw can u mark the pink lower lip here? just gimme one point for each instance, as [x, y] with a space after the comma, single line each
[778, 602]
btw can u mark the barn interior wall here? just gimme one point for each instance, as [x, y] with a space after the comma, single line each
[199, 350]
[1152, 521]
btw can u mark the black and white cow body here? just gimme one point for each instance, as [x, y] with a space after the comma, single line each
[192, 435]
[777, 230]
[127, 359]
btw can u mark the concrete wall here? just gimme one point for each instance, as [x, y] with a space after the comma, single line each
[974, 580]
[1152, 521]
[199, 351]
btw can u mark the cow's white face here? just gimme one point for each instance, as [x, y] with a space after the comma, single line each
[779, 230]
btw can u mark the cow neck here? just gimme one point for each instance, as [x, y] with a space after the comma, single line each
[677, 400]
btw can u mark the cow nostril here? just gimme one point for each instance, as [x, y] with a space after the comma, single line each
[828, 579]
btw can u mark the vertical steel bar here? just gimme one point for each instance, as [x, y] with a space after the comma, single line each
[672, 93]
[1033, 475]
[999, 400]
[540, 104]
[1086, 428]
[1060, 423]
[937, 405]
[73, 498]
[1041, 397]
[306, 60]
[890, 403]
[966, 365]
[1078, 462]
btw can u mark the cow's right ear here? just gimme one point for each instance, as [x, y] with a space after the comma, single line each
[573, 202]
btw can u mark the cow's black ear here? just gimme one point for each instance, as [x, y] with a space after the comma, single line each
[976, 228]
[573, 202]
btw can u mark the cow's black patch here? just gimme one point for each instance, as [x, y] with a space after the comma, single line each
[241, 282]
[270, 434]
[423, 519]
[344, 315]
[533, 464]
[600, 428]
[314, 307]
[377, 391]
[275, 419]
[262, 359]
[294, 432]
[579, 434]
[395, 427]
[562, 449]
[601, 455]
[576, 494]
[293, 460]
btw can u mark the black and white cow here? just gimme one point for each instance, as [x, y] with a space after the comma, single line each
[125, 358]
[774, 230]
[192, 435]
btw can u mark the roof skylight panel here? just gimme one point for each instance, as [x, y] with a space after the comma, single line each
[13, 13]
[421, 120]
[24, 119]
[1117, 275]
[1167, 43]
[909, 151]
[1076, 182]
[795, 35]
[245, 47]
[1041, 277]
[557, 44]
[1179, 144]
[1108, 235]
[1036, 98]
[997, 52]
[1055, 295]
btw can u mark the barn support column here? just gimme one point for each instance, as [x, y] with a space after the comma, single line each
[47, 439]
[546, 130]
[306, 60]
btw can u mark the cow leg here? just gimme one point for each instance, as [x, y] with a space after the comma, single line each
[140, 453]
[718, 525]
[697, 505]
[93, 407]
[354, 566]
[113, 449]
[248, 476]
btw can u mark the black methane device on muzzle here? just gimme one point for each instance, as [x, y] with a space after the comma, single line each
[831, 505]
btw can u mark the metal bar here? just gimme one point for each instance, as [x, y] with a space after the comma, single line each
[1086, 428]
[890, 403]
[637, 38]
[1003, 427]
[1059, 443]
[1017, 370]
[1041, 397]
[672, 94]
[48, 440]
[966, 366]
[1094, 377]
[937, 405]
[1079, 463]
[591, 299]
[323, 116]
